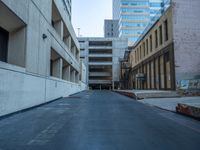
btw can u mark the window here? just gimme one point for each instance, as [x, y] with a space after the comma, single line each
[144, 50]
[12, 38]
[150, 43]
[166, 30]
[82, 49]
[3, 45]
[56, 20]
[161, 39]
[167, 58]
[156, 39]
[147, 46]
[140, 52]
[135, 56]
[100, 43]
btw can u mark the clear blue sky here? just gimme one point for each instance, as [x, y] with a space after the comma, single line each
[89, 15]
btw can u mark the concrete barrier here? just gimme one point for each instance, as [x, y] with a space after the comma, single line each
[188, 110]
[128, 94]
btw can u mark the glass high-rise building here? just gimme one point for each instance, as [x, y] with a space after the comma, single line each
[135, 15]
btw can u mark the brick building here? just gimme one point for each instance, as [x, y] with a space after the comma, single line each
[169, 51]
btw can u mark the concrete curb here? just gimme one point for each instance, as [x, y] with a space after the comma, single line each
[128, 94]
[146, 95]
[188, 110]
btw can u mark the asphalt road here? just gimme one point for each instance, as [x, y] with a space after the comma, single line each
[98, 120]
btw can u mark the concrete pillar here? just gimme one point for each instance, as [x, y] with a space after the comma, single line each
[77, 77]
[57, 68]
[74, 51]
[77, 55]
[66, 73]
[68, 41]
[59, 28]
[113, 85]
[72, 75]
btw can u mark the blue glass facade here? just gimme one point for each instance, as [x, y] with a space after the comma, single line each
[136, 15]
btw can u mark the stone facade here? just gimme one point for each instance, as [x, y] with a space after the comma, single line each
[169, 52]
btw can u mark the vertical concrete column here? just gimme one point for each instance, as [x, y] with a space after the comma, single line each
[74, 50]
[59, 28]
[113, 85]
[66, 73]
[72, 75]
[77, 55]
[57, 68]
[77, 77]
[68, 41]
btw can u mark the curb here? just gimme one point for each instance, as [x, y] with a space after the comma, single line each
[188, 110]
[128, 94]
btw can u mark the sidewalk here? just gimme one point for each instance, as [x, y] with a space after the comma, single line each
[171, 103]
[141, 94]
[168, 100]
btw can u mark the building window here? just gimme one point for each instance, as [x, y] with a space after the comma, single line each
[144, 50]
[147, 46]
[167, 58]
[156, 39]
[82, 49]
[161, 39]
[100, 43]
[151, 43]
[3, 45]
[135, 56]
[140, 52]
[12, 38]
[166, 30]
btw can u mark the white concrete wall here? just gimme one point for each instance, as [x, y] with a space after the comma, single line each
[20, 90]
[186, 35]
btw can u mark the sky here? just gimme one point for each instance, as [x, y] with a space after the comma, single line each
[89, 15]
